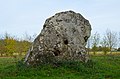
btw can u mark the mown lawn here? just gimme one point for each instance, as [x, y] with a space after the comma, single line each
[101, 67]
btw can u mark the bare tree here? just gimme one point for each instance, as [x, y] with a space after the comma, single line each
[104, 45]
[95, 42]
[111, 38]
[27, 37]
[34, 36]
[119, 40]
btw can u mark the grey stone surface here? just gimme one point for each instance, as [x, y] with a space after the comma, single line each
[63, 36]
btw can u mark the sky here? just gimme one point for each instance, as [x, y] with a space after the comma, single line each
[18, 17]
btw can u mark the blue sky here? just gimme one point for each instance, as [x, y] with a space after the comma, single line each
[28, 16]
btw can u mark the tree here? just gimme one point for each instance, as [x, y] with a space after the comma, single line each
[26, 45]
[104, 45]
[2, 47]
[119, 40]
[27, 37]
[118, 49]
[95, 42]
[111, 39]
[10, 43]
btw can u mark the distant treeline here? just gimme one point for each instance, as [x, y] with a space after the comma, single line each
[12, 46]
[108, 42]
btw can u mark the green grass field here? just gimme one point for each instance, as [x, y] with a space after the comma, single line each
[101, 67]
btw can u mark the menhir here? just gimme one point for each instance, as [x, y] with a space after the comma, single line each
[63, 37]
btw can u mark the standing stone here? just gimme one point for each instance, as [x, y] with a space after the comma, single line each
[63, 37]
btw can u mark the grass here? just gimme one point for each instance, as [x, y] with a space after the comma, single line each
[101, 67]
